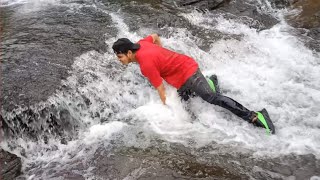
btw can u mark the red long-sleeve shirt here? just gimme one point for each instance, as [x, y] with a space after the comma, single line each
[157, 63]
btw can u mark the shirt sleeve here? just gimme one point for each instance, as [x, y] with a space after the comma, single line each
[152, 73]
[148, 39]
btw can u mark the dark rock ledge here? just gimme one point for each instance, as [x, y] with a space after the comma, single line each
[10, 165]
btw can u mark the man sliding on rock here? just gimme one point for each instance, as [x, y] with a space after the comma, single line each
[182, 72]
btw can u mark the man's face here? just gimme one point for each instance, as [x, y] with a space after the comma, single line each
[124, 59]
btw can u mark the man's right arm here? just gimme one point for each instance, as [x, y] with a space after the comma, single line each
[162, 93]
[156, 39]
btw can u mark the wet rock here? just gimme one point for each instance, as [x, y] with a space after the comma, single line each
[203, 4]
[306, 167]
[248, 12]
[38, 48]
[10, 165]
[166, 19]
[180, 163]
[139, 163]
[314, 33]
[39, 123]
[309, 17]
[280, 3]
[175, 161]
[66, 119]
[314, 42]
[295, 166]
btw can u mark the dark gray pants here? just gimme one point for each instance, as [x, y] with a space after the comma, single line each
[197, 84]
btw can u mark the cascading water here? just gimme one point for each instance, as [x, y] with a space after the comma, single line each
[105, 115]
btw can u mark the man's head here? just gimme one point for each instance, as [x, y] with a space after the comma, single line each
[125, 50]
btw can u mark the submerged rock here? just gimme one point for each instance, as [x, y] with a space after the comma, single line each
[280, 3]
[314, 42]
[203, 4]
[10, 165]
[248, 12]
[175, 161]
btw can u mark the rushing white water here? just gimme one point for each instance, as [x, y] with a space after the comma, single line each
[269, 69]
[11, 3]
[315, 178]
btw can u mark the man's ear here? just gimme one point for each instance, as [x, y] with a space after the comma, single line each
[129, 53]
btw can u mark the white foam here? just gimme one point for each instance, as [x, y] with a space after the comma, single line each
[271, 69]
[168, 120]
[65, 156]
[26, 6]
[5, 3]
[315, 178]
[102, 131]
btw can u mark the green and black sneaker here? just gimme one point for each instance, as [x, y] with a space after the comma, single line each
[263, 120]
[213, 82]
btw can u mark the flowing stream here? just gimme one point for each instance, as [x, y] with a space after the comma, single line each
[99, 119]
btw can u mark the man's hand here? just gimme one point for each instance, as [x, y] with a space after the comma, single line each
[156, 39]
[162, 93]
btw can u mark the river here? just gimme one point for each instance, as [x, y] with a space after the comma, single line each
[72, 111]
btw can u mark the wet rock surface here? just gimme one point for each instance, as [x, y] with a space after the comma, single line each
[250, 13]
[308, 18]
[41, 124]
[176, 161]
[309, 14]
[246, 11]
[38, 48]
[203, 4]
[10, 165]
[314, 42]
[164, 21]
[280, 3]
[181, 163]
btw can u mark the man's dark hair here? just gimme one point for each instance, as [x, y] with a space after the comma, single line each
[123, 45]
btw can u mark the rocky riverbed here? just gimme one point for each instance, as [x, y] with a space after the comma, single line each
[70, 111]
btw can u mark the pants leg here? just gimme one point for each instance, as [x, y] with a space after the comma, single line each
[198, 84]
